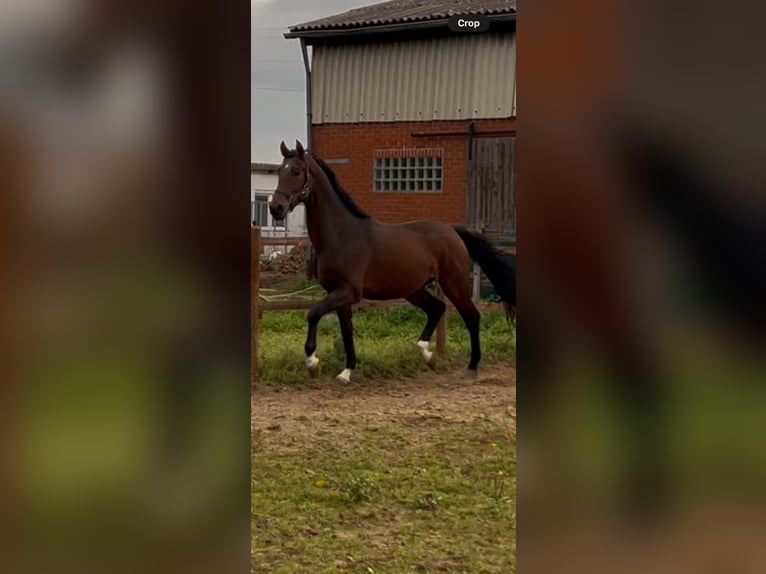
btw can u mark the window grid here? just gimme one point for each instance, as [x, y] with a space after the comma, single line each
[408, 174]
[260, 211]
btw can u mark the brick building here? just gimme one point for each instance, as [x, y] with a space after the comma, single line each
[418, 121]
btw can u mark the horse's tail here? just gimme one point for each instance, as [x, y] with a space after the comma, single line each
[498, 266]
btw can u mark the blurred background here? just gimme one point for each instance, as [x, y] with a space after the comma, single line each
[124, 286]
[642, 266]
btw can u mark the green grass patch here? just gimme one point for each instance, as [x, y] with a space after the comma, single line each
[302, 284]
[434, 495]
[385, 343]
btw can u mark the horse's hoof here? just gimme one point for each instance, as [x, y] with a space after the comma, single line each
[428, 356]
[344, 377]
[471, 373]
[312, 364]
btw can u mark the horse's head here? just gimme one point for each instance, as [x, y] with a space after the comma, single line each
[293, 183]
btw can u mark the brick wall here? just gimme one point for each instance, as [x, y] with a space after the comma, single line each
[357, 142]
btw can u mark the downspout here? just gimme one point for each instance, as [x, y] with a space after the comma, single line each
[471, 130]
[311, 263]
[307, 67]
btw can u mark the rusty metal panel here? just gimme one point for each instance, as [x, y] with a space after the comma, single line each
[455, 77]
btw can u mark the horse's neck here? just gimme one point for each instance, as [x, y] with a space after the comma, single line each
[327, 219]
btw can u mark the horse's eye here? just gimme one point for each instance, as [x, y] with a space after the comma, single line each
[296, 172]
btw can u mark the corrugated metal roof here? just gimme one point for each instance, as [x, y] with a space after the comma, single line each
[400, 11]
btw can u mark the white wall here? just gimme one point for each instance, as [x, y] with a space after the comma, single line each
[264, 184]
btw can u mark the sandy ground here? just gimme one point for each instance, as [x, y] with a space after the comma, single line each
[447, 396]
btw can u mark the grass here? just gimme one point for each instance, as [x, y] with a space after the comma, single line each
[303, 283]
[300, 289]
[431, 496]
[405, 492]
[385, 343]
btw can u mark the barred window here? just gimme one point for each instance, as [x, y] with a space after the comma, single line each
[409, 173]
[260, 211]
[261, 217]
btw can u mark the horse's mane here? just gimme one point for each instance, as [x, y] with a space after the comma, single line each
[342, 194]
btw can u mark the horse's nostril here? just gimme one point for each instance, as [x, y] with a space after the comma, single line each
[277, 210]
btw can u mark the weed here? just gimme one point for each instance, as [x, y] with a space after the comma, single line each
[498, 485]
[428, 502]
[358, 488]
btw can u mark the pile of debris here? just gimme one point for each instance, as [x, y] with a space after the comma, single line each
[292, 263]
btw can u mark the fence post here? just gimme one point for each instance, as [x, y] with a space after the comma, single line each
[476, 286]
[310, 261]
[441, 328]
[255, 281]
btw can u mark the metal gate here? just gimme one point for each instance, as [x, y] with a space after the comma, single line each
[491, 189]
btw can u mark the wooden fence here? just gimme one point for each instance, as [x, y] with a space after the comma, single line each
[257, 307]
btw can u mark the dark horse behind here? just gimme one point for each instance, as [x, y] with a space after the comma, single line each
[358, 257]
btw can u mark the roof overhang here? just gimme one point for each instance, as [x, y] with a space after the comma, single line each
[348, 32]
[261, 167]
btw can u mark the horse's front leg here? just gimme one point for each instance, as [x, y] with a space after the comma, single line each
[340, 298]
[347, 332]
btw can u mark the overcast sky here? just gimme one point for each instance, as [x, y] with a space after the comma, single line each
[277, 82]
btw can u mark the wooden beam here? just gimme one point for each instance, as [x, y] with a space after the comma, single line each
[298, 305]
[276, 241]
[286, 305]
[255, 281]
[441, 328]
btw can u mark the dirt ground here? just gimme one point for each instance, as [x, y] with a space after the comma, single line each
[399, 475]
[447, 396]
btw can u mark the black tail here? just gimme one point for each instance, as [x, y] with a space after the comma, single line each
[498, 266]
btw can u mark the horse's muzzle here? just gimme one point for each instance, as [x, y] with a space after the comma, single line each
[278, 210]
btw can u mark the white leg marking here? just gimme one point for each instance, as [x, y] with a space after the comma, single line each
[312, 361]
[344, 376]
[424, 351]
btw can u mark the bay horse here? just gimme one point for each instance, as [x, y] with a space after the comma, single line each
[358, 257]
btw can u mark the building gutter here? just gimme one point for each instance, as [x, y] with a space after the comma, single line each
[469, 132]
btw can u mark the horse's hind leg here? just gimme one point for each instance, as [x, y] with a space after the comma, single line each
[456, 289]
[434, 309]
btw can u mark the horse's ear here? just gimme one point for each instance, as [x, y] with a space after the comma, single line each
[299, 149]
[283, 149]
